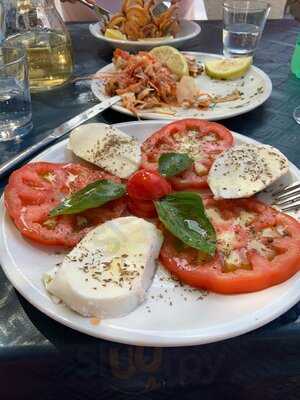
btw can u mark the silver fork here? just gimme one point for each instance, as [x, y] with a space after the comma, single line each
[160, 8]
[288, 198]
[102, 13]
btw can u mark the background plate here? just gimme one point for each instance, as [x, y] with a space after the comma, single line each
[173, 315]
[188, 30]
[255, 86]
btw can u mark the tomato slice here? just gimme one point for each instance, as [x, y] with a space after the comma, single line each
[36, 188]
[257, 247]
[201, 140]
[142, 208]
[146, 185]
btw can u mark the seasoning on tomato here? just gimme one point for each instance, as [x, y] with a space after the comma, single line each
[145, 185]
[34, 190]
[201, 140]
[257, 247]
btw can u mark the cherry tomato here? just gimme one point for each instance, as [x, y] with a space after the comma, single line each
[142, 208]
[145, 185]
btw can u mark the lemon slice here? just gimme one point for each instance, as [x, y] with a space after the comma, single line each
[228, 68]
[114, 34]
[173, 59]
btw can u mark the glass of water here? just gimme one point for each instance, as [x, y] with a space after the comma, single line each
[15, 102]
[244, 22]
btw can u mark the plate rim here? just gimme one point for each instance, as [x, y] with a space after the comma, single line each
[148, 43]
[154, 116]
[140, 337]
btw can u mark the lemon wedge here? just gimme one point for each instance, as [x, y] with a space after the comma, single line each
[228, 68]
[173, 59]
[114, 34]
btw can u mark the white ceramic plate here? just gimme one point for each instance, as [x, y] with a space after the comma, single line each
[188, 30]
[171, 316]
[255, 86]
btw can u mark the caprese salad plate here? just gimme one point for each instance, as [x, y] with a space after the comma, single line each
[109, 275]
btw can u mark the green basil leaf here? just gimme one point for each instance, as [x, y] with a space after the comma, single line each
[184, 216]
[171, 164]
[93, 195]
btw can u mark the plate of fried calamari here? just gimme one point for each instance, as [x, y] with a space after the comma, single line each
[168, 84]
[135, 27]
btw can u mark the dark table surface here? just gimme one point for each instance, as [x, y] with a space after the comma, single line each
[41, 358]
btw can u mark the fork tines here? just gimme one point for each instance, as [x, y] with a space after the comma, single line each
[288, 198]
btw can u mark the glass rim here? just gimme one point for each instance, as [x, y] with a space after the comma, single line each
[21, 55]
[257, 5]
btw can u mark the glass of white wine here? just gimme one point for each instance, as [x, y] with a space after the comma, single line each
[37, 26]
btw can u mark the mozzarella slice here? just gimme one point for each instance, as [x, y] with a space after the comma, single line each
[108, 273]
[107, 147]
[244, 170]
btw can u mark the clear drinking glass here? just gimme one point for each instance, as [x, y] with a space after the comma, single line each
[15, 102]
[244, 22]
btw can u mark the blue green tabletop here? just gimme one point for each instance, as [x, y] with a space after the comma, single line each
[41, 358]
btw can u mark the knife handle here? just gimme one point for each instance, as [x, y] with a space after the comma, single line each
[12, 162]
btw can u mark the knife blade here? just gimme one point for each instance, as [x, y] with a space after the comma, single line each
[57, 133]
